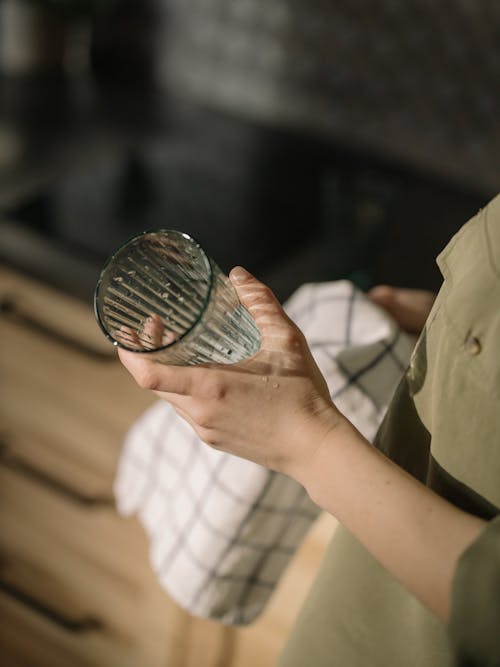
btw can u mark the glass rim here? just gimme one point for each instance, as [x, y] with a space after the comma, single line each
[120, 250]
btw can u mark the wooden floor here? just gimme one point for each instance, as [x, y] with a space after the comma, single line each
[76, 587]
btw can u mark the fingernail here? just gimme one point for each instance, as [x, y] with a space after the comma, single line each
[239, 275]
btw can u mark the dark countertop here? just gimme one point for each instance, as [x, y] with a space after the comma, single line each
[95, 166]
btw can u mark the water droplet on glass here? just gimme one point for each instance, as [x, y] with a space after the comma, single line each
[132, 272]
[275, 385]
[118, 279]
[115, 343]
[165, 295]
[265, 378]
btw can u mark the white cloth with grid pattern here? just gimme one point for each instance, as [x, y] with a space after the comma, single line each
[222, 529]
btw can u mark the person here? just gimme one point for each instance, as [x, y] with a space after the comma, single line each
[412, 575]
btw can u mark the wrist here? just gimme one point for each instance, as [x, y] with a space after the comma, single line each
[326, 465]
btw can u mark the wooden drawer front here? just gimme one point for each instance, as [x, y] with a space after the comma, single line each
[91, 553]
[64, 412]
[45, 311]
[85, 571]
[27, 639]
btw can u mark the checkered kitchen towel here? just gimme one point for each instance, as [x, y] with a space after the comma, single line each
[222, 529]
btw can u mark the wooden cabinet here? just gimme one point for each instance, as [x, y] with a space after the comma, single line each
[76, 587]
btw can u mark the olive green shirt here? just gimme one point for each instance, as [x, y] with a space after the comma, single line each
[443, 426]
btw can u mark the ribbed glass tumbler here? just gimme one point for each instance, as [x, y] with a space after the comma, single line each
[160, 294]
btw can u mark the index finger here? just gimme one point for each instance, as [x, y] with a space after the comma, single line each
[150, 374]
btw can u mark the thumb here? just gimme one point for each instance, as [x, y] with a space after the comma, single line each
[258, 299]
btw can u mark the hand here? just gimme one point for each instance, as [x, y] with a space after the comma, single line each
[409, 307]
[274, 408]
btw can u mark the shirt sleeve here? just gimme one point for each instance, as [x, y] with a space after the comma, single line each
[475, 613]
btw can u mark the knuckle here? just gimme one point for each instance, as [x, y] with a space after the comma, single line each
[202, 416]
[264, 292]
[209, 437]
[258, 295]
[212, 388]
[218, 392]
[147, 378]
[292, 337]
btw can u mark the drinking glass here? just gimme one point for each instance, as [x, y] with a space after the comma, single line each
[160, 294]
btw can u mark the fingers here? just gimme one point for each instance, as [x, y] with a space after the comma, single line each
[151, 336]
[152, 332]
[279, 331]
[158, 377]
[258, 299]
[409, 307]
[128, 337]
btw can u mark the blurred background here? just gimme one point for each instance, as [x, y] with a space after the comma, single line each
[305, 140]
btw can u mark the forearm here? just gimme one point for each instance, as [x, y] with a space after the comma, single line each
[414, 533]
[275, 409]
